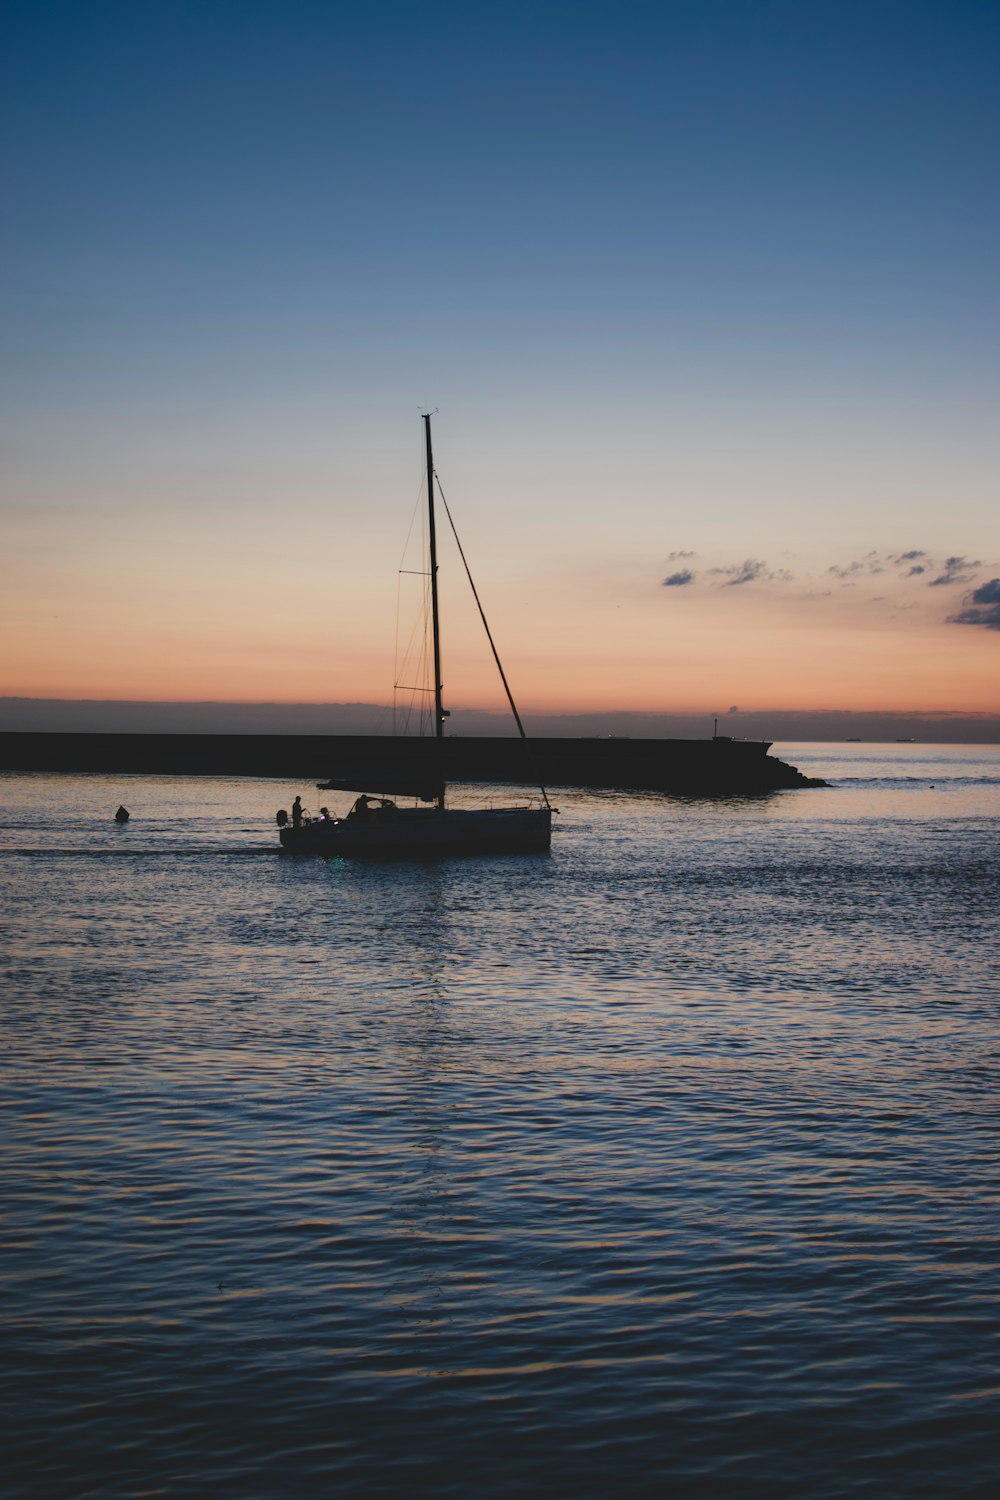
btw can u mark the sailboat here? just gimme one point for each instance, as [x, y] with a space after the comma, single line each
[376, 826]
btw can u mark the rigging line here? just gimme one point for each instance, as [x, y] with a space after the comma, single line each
[489, 633]
[395, 654]
[413, 521]
[408, 658]
[401, 655]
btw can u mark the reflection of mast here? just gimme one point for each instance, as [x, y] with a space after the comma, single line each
[439, 712]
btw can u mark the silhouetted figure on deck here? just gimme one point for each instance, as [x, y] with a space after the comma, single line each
[121, 816]
[297, 813]
[372, 807]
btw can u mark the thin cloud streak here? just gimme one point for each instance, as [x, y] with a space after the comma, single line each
[753, 570]
[956, 570]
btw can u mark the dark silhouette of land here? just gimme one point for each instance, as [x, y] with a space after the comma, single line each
[119, 716]
[710, 767]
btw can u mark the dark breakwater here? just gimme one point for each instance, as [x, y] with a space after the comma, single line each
[694, 767]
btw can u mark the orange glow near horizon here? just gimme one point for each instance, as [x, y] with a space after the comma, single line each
[591, 619]
[661, 655]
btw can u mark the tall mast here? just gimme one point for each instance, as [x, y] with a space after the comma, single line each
[439, 712]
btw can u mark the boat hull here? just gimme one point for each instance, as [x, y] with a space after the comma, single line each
[420, 833]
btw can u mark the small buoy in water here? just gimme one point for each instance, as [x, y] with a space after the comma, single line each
[121, 816]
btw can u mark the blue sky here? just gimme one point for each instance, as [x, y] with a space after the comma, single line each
[708, 278]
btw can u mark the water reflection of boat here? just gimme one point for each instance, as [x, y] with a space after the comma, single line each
[375, 825]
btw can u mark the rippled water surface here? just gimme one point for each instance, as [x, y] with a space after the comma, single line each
[662, 1165]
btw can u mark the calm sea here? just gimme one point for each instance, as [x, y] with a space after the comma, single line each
[664, 1165]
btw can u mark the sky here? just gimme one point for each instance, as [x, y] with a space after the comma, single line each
[703, 296]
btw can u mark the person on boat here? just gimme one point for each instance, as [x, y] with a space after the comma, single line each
[297, 813]
[371, 807]
[324, 814]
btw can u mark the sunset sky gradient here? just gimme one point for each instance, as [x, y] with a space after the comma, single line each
[704, 294]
